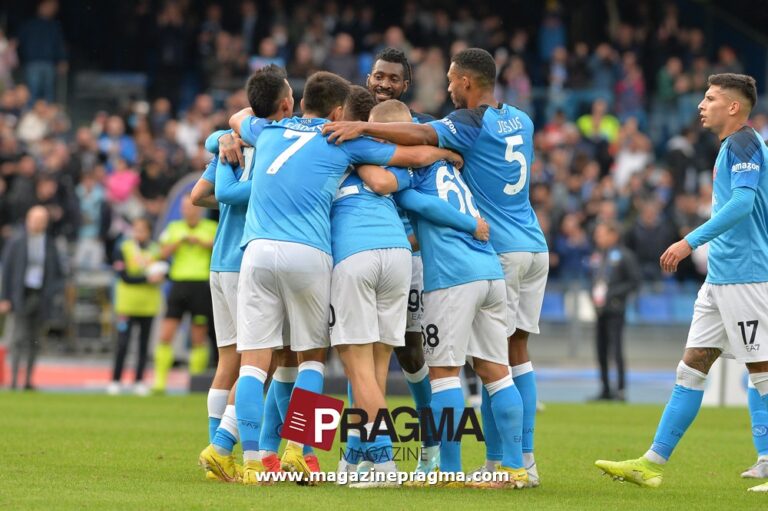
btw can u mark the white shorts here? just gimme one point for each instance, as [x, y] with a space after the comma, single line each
[279, 282]
[415, 303]
[526, 276]
[465, 321]
[732, 318]
[369, 295]
[224, 299]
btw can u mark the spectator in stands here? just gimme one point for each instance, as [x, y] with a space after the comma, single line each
[573, 248]
[599, 124]
[632, 151]
[615, 276]
[42, 49]
[514, 85]
[432, 84]
[115, 144]
[342, 60]
[137, 298]
[32, 277]
[8, 61]
[91, 197]
[648, 239]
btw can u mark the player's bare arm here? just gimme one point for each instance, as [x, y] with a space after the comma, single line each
[238, 117]
[403, 133]
[423, 155]
[203, 195]
[378, 179]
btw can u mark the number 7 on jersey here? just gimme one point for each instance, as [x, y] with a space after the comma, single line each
[303, 138]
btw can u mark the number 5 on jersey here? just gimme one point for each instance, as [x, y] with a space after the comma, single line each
[511, 155]
[303, 138]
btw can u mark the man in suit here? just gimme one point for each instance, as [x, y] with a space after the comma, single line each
[615, 274]
[32, 276]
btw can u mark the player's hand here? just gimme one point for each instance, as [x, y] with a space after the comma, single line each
[674, 254]
[342, 131]
[483, 230]
[5, 306]
[454, 159]
[231, 149]
[192, 240]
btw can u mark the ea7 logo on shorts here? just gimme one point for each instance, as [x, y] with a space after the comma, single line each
[312, 419]
[749, 341]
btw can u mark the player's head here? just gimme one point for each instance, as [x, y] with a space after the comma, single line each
[471, 75]
[324, 95]
[729, 97]
[142, 229]
[189, 212]
[390, 75]
[269, 93]
[391, 111]
[358, 105]
[607, 234]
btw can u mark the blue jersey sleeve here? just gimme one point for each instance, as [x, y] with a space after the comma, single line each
[229, 189]
[403, 177]
[744, 158]
[212, 142]
[251, 128]
[209, 174]
[367, 150]
[460, 129]
[435, 210]
[738, 207]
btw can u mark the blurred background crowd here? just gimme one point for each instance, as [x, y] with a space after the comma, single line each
[104, 106]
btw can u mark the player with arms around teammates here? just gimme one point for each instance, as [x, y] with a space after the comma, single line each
[730, 315]
[271, 99]
[370, 282]
[286, 270]
[496, 141]
[390, 78]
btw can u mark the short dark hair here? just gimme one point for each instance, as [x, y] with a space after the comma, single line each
[359, 103]
[743, 84]
[265, 88]
[323, 92]
[478, 62]
[611, 225]
[396, 57]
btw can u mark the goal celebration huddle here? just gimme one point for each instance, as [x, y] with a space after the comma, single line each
[362, 226]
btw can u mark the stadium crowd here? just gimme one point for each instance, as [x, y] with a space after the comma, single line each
[615, 116]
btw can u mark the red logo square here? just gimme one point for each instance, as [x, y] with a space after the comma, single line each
[312, 419]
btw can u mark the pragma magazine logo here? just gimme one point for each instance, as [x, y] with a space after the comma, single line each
[312, 419]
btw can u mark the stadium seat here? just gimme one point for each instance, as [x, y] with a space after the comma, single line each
[553, 308]
[655, 308]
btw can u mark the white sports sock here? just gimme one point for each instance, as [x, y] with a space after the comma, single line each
[228, 424]
[528, 460]
[655, 458]
[217, 402]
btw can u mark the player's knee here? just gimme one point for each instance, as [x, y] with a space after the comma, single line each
[689, 377]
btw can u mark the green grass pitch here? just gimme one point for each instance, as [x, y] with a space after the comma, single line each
[62, 452]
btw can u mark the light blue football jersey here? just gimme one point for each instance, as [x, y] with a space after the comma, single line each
[295, 177]
[740, 254]
[227, 254]
[450, 257]
[364, 220]
[497, 146]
